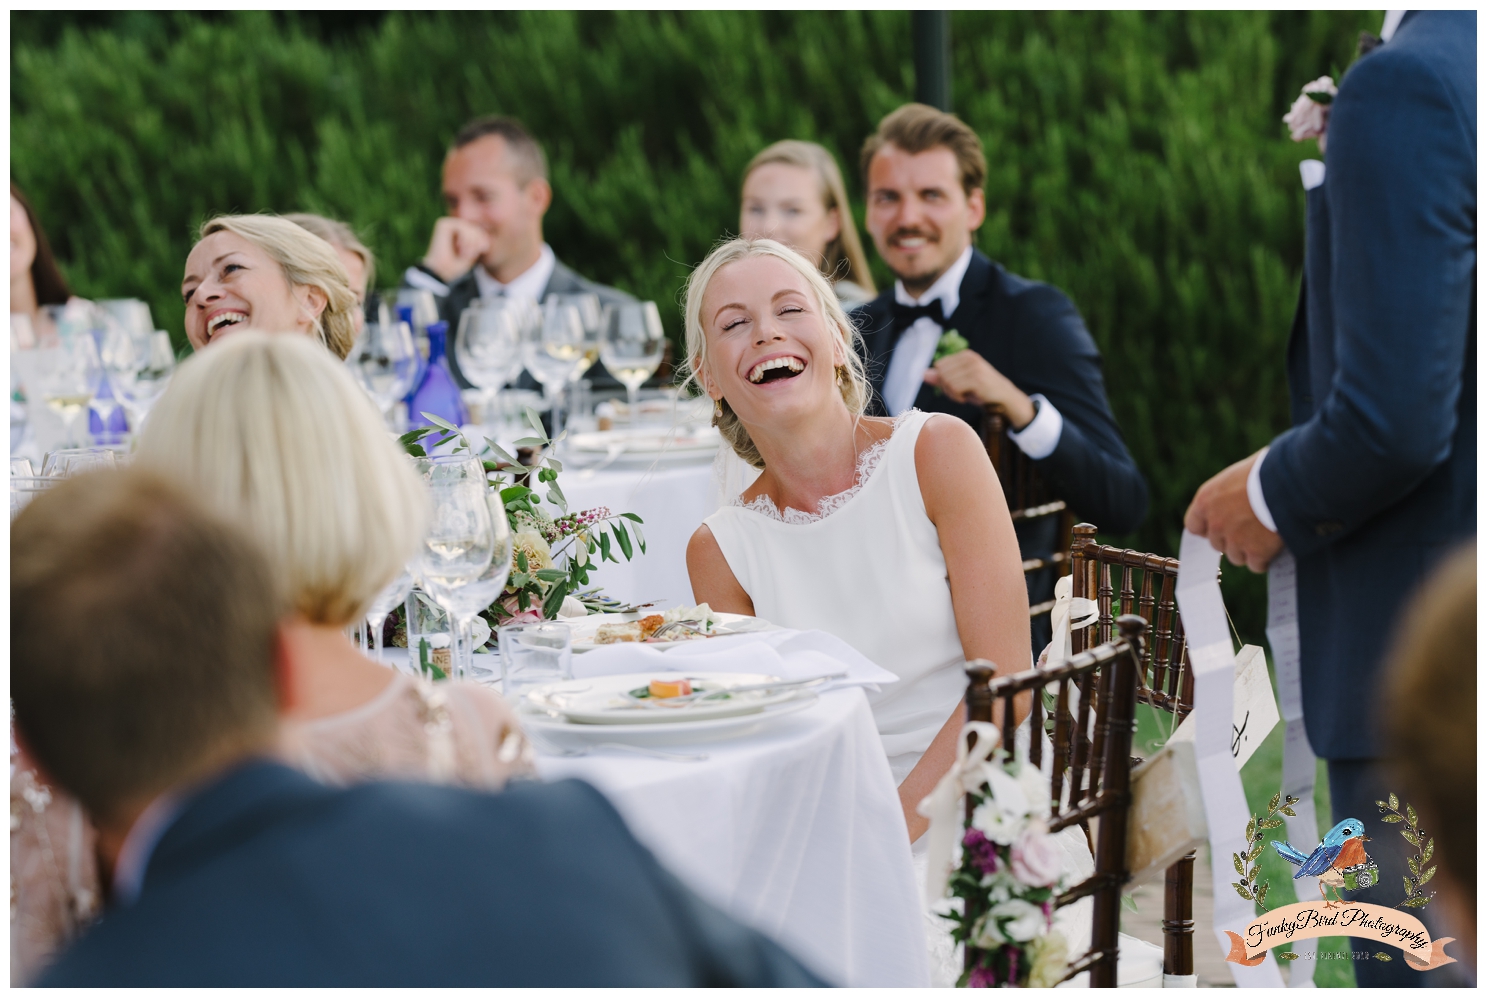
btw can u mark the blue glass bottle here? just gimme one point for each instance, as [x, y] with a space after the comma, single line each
[436, 392]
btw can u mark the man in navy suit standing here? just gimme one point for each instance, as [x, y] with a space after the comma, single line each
[1030, 352]
[144, 682]
[1376, 479]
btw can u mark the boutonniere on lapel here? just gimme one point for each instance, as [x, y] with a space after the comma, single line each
[950, 342]
[1307, 118]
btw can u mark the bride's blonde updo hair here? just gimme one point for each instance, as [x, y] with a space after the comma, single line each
[851, 376]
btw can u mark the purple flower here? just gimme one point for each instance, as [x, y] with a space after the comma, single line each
[981, 977]
[980, 851]
[1012, 952]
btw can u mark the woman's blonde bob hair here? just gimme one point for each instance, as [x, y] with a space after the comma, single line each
[272, 432]
[307, 261]
[844, 259]
[851, 376]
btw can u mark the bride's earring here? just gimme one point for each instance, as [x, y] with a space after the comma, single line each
[717, 411]
[841, 375]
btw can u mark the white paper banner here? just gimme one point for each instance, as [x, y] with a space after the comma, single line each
[1212, 654]
[1300, 766]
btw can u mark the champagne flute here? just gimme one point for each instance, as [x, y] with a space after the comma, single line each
[488, 346]
[458, 546]
[632, 345]
[385, 361]
[590, 315]
[552, 351]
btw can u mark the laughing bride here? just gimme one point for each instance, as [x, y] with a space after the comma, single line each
[891, 534]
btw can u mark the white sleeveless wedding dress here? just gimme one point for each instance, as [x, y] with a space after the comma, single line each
[867, 568]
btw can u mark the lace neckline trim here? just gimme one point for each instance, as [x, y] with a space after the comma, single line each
[867, 463]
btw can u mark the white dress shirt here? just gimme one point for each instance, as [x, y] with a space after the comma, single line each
[915, 352]
[530, 283]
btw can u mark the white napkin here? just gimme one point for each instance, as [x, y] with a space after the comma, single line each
[784, 653]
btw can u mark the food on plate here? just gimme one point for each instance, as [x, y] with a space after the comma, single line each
[612, 634]
[650, 625]
[664, 689]
[700, 615]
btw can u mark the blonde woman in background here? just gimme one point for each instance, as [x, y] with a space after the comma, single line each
[274, 434]
[793, 193]
[265, 272]
[360, 264]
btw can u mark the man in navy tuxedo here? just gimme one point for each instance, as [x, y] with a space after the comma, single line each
[144, 682]
[1376, 479]
[1030, 352]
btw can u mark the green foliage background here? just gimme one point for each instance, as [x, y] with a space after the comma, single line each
[1137, 161]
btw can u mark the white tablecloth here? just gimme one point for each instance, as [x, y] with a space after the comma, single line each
[672, 499]
[795, 830]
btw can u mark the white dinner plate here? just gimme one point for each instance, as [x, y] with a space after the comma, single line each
[651, 441]
[586, 628]
[564, 732]
[603, 700]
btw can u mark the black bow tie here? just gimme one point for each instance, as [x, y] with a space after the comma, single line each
[905, 316]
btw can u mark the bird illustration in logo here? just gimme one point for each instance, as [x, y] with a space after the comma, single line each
[1338, 862]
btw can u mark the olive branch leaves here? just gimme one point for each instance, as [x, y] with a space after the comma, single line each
[1419, 874]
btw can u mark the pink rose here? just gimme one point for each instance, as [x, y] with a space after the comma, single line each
[1035, 859]
[524, 617]
[1308, 118]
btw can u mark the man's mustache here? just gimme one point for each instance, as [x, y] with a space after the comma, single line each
[898, 234]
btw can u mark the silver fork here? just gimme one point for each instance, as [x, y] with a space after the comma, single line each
[684, 625]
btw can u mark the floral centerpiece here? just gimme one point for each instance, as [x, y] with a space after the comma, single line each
[1008, 870]
[554, 551]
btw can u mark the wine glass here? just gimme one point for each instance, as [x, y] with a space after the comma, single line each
[119, 356]
[141, 387]
[458, 546]
[488, 346]
[385, 360]
[632, 345]
[470, 599]
[391, 596]
[552, 350]
[69, 385]
[591, 315]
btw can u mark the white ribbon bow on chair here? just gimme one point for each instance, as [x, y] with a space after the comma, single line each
[942, 806]
[1068, 615]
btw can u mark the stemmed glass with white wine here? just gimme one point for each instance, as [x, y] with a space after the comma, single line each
[72, 380]
[460, 540]
[631, 345]
[471, 598]
[553, 349]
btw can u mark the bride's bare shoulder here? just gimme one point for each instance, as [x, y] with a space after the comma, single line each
[951, 462]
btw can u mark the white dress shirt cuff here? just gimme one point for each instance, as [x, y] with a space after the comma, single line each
[425, 281]
[1040, 438]
[1257, 494]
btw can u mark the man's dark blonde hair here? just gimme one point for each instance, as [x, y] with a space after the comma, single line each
[917, 128]
[527, 158]
[142, 640]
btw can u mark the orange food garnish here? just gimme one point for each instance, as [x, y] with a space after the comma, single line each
[650, 625]
[664, 689]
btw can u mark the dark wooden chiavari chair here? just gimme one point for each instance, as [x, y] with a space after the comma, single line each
[1028, 497]
[1091, 772]
[1146, 587]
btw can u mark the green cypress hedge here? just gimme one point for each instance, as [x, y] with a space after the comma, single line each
[1137, 160]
